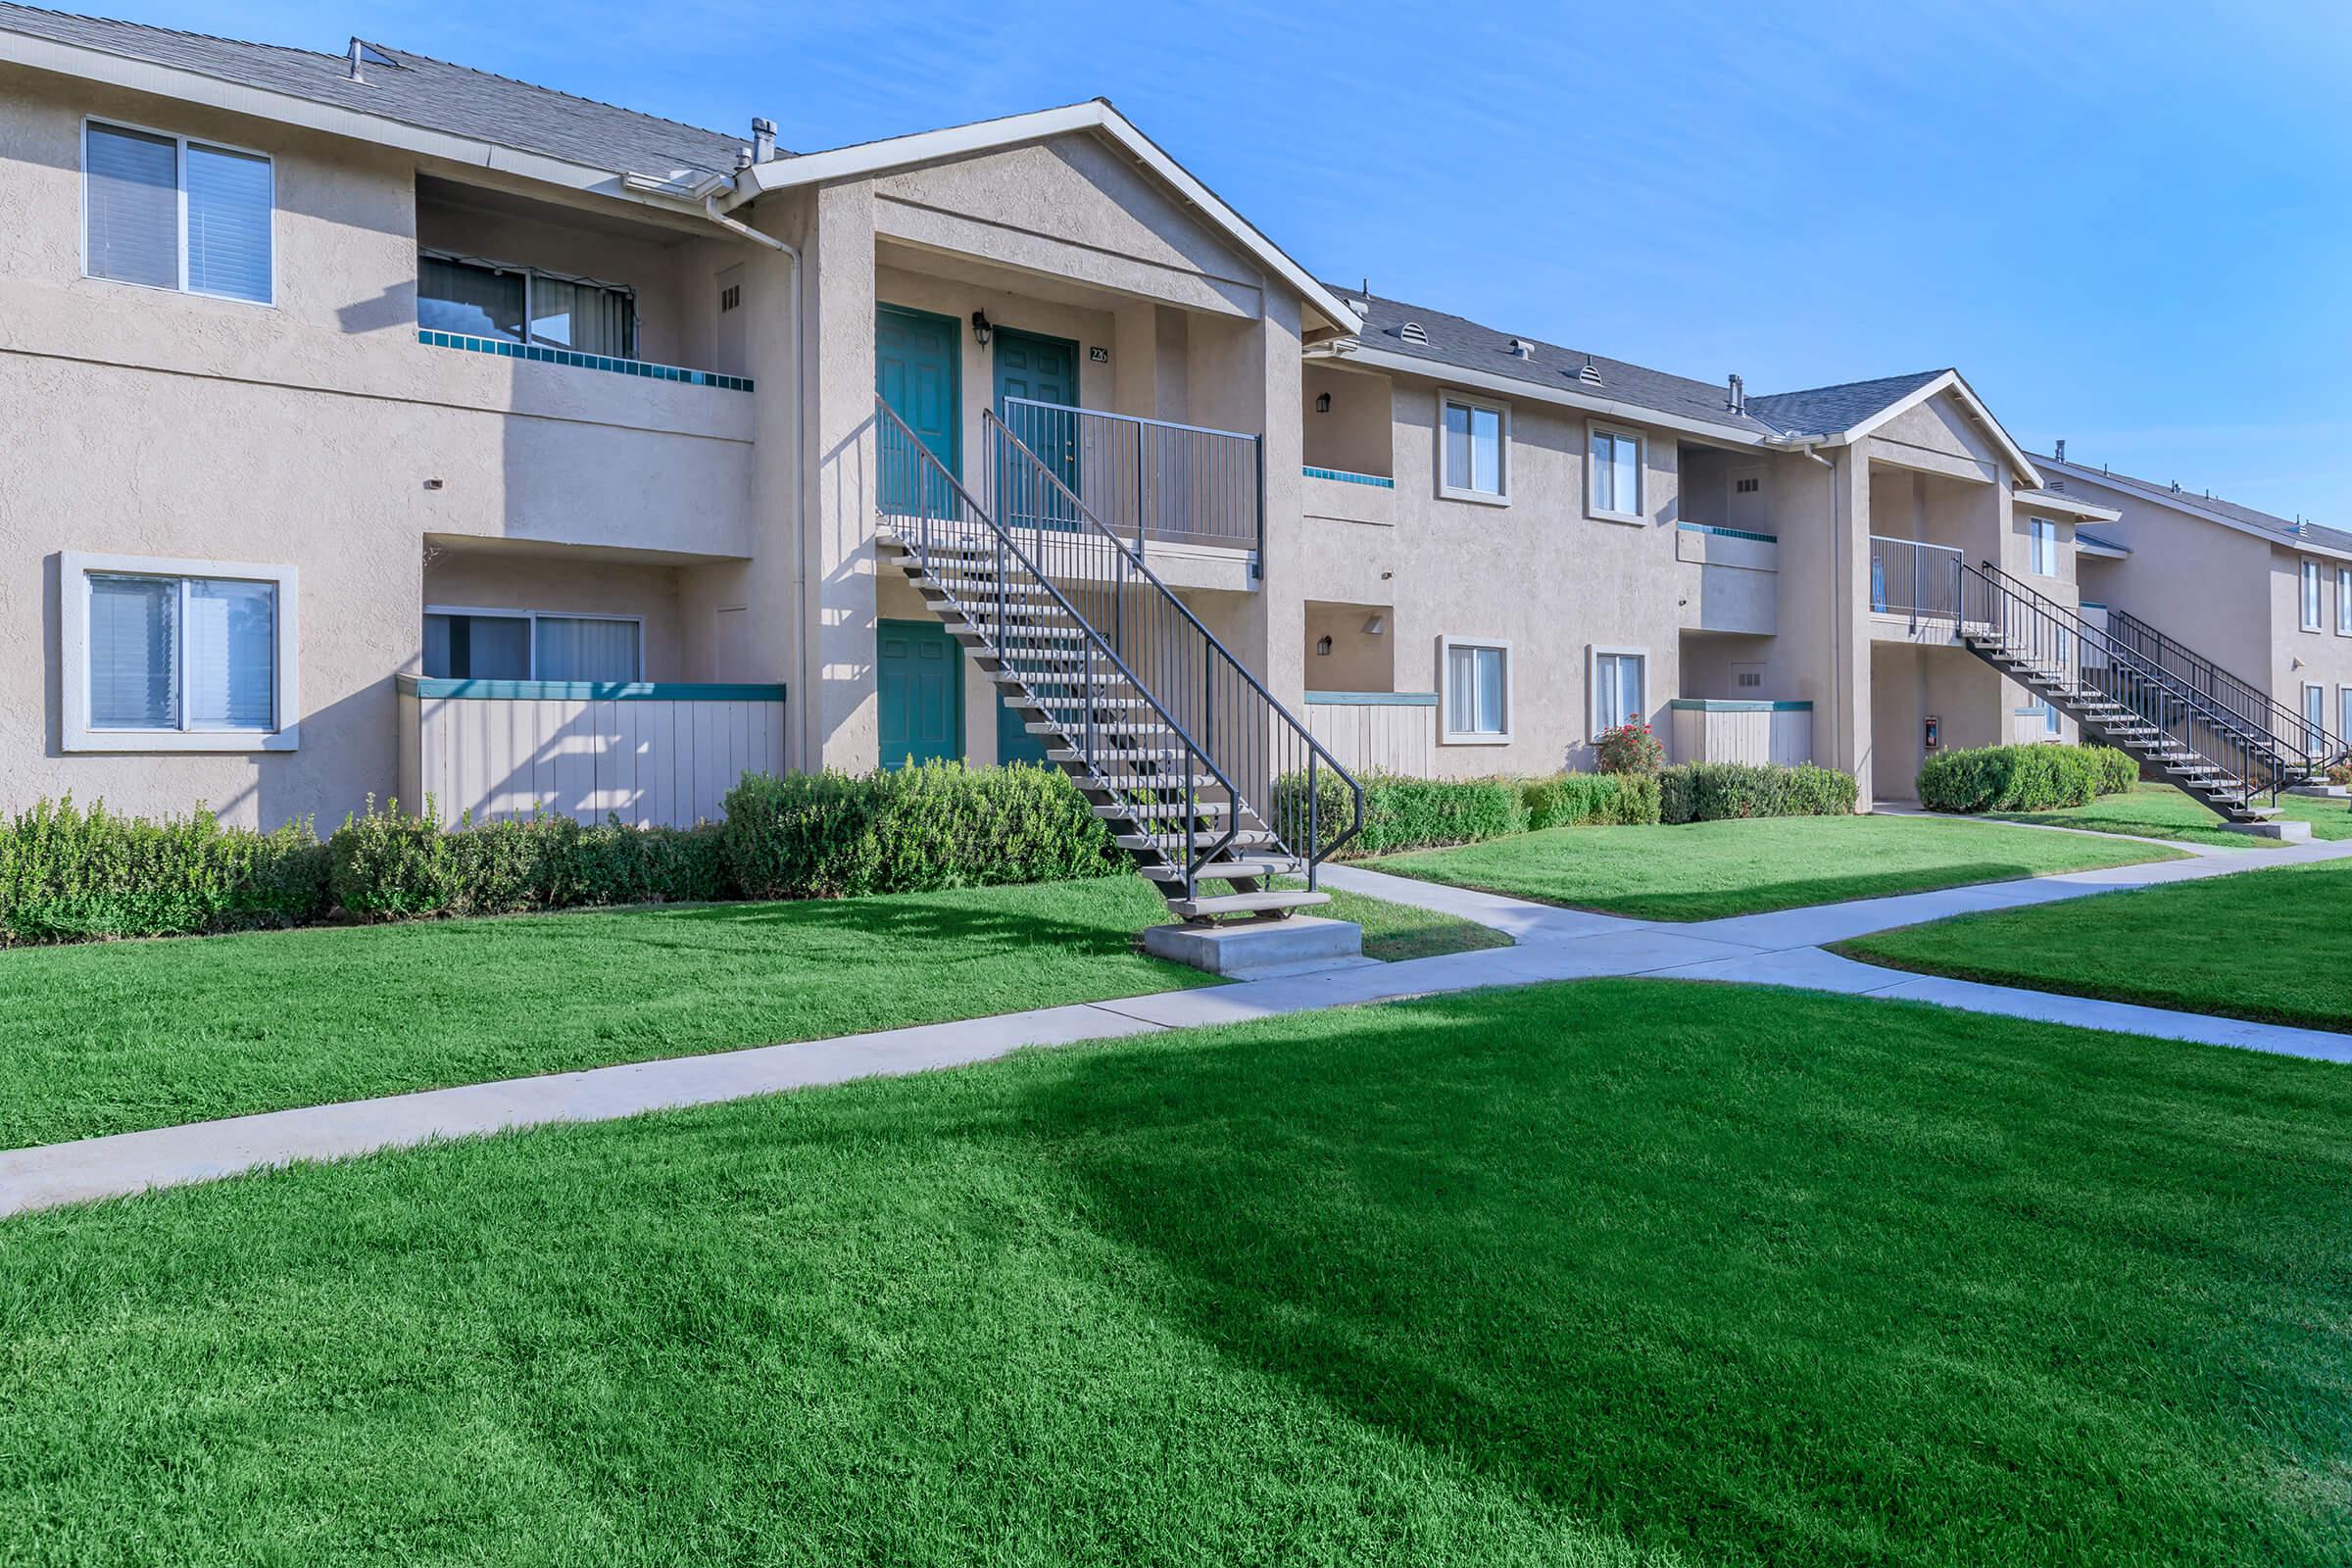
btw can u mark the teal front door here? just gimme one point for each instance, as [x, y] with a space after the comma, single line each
[919, 670]
[916, 372]
[1042, 369]
[1015, 743]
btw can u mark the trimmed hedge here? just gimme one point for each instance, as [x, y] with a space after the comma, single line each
[1588, 800]
[1716, 792]
[910, 829]
[384, 865]
[1402, 813]
[68, 875]
[2024, 778]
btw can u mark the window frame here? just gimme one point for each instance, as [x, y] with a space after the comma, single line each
[1447, 734]
[1501, 495]
[2311, 731]
[1595, 653]
[2311, 599]
[2034, 538]
[534, 616]
[2344, 600]
[1640, 440]
[76, 734]
[180, 181]
[529, 272]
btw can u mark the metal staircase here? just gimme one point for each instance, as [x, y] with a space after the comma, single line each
[2311, 750]
[1203, 777]
[2210, 751]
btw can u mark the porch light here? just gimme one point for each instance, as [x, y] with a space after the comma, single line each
[1323, 402]
[982, 331]
[1375, 623]
[1323, 645]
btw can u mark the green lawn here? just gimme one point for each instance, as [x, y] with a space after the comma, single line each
[1398, 931]
[1617, 1273]
[1706, 871]
[2273, 946]
[2161, 811]
[113, 1037]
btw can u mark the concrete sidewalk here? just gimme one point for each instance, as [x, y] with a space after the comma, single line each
[1784, 949]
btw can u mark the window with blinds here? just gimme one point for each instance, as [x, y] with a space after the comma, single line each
[1478, 691]
[506, 304]
[524, 645]
[194, 654]
[170, 213]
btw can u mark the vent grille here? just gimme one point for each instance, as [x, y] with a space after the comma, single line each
[1591, 373]
[1749, 487]
[1413, 332]
[730, 297]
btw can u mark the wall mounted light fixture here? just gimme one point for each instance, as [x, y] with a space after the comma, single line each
[1323, 402]
[982, 331]
[1375, 623]
[1322, 645]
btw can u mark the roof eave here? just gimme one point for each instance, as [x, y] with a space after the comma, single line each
[1564, 397]
[2186, 505]
[962, 142]
[290, 109]
[1954, 382]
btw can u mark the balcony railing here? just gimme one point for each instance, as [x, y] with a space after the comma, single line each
[1148, 479]
[539, 352]
[1910, 579]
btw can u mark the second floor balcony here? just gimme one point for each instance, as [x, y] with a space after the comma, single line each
[1152, 482]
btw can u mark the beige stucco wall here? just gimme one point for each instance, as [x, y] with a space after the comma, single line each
[301, 433]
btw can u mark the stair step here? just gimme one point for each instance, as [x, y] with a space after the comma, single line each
[1269, 903]
[1107, 726]
[1161, 810]
[1148, 781]
[1026, 633]
[1237, 868]
[1248, 837]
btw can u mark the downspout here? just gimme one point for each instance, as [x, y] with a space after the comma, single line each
[803, 686]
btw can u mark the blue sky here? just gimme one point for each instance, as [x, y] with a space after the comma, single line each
[2126, 223]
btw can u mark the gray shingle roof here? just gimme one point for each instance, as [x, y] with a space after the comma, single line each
[1837, 407]
[1456, 342]
[417, 91]
[2283, 529]
[2100, 541]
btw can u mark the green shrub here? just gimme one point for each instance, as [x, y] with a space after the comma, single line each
[1402, 812]
[2024, 778]
[1581, 800]
[937, 825]
[387, 865]
[1715, 791]
[69, 876]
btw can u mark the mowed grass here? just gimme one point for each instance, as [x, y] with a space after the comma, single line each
[115, 1037]
[1393, 932]
[1708, 870]
[1616, 1273]
[2275, 945]
[2161, 811]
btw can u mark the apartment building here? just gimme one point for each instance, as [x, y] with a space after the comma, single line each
[377, 426]
[2253, 606]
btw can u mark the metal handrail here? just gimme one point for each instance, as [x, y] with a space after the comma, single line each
[1122, 568]
[1181, 482]
[1213, 649]
[1920, 602]
[2054, 637]
[2259, 707]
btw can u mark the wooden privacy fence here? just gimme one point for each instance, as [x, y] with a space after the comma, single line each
[1377, 732]
[1705, 729]
[651, 753]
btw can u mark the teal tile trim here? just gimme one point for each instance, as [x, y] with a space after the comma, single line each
[1729, 705]
[594, 691]
[1374, 699]
[1344, 477]
[1729, 534]
[585, 361]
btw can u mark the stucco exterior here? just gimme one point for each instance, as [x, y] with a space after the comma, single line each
[321, 434]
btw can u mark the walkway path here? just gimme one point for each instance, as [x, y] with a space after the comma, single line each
[1783, 948]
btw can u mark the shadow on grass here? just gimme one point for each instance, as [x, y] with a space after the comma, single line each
[1751, 898]
[1711, 1284]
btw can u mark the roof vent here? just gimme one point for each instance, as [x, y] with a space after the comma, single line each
[1591, 373]
[1522, 349]
[2061, 452]
[1413, 332]
[764, 139]
[2176, 487]
[1735, 397]
[364, 54]
[2057, 486]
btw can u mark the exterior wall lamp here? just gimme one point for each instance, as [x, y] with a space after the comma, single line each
[982, 331]
[1323, 402]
